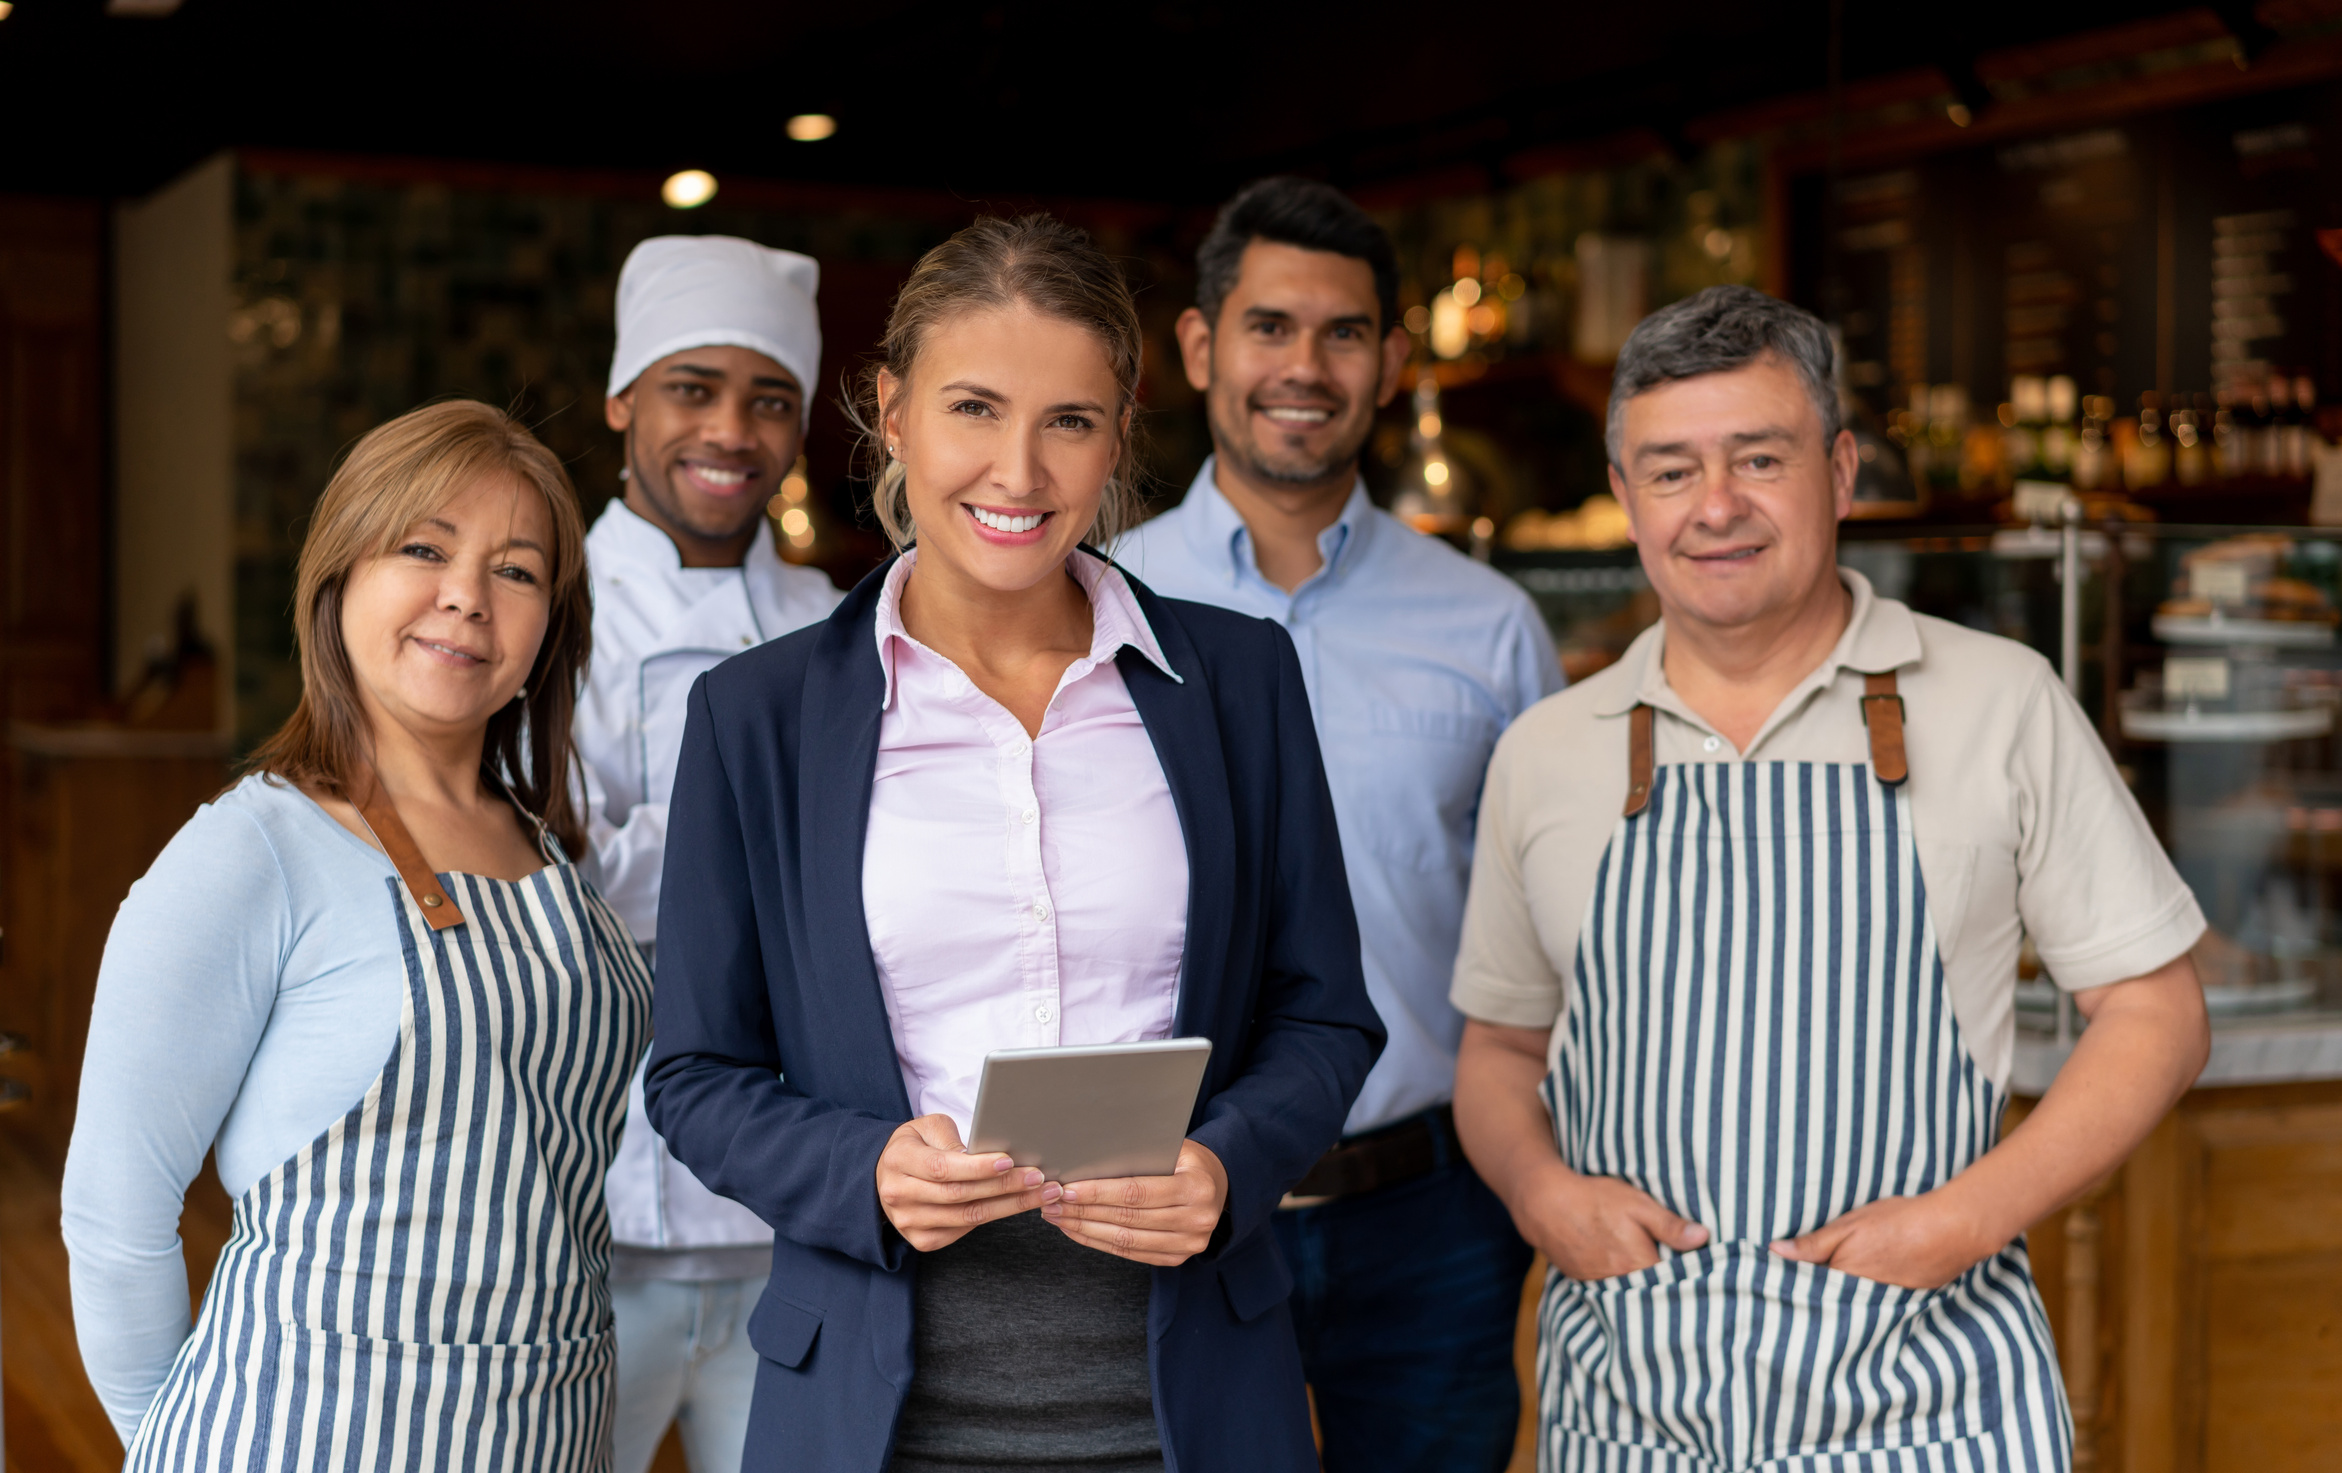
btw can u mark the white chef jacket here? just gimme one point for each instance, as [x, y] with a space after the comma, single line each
[657, 626]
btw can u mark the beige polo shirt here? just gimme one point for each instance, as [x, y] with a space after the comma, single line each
[2022, 823]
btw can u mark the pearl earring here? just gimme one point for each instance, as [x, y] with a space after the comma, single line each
[522, 694]
[625, 473]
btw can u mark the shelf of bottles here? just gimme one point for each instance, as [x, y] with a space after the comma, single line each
[2256, 438]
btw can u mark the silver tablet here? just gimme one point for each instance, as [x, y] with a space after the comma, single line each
[1090, 1111]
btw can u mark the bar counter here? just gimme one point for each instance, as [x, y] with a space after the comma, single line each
[2197, 1292]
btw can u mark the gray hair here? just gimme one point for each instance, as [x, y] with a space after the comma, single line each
[1715, 331]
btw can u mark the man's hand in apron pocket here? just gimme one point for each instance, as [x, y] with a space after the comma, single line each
[1921, 1242]
[1598, 1227]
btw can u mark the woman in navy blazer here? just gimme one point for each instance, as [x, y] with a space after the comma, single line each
[775, 1076]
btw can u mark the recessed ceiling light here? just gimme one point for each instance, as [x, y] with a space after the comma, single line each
[689, 189]
[812, 127]
[5, 7]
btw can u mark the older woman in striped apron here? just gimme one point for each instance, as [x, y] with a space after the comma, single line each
[1740, 960]
[369, 981]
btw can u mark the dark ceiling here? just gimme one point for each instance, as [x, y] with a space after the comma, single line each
[1131, 100]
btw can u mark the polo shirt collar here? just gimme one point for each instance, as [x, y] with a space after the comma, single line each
[1880, 635]
[1223, 541]
[1116, 619]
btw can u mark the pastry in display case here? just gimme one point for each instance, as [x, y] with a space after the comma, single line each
[2228, 724]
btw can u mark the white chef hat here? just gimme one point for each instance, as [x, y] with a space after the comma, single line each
[716, 291]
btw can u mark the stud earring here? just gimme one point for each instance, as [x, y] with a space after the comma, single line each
[625, 473]
[522, 694]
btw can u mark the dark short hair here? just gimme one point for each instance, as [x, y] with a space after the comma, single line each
[1715, 331]
[1294, 212]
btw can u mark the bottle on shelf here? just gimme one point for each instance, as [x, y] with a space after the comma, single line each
[2026, 418]
[2094, 468]
[1947, 433]
[2057, 430]
[2146, 461]
[2191, 457]
[2260, 429]
[2293, 427]
[2228, 453]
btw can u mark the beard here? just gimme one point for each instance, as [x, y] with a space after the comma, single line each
[658, 487]
[1281, 464]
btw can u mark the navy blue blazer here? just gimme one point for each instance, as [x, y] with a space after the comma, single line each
[774, 1077]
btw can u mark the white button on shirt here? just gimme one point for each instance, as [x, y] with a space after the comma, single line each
[1019, 894]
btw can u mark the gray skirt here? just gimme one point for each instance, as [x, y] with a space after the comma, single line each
[1032, 1353]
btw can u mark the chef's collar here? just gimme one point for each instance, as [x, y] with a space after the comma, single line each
[622, 532]
[1880, 635]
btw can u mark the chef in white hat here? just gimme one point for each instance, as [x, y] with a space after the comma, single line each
[718, 349]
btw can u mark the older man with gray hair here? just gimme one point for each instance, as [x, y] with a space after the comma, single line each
[1739, 965]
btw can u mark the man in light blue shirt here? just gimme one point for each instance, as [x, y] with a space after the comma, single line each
[1407, 1269]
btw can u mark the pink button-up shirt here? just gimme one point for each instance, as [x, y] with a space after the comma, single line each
[1019, 894]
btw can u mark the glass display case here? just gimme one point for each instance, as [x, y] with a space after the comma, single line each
[2207, 658]
[2225, 722]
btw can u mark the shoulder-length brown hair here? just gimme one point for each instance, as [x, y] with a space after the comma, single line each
[397, 475]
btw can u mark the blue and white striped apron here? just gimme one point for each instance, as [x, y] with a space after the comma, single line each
[1760, 1038]
[424, 1285]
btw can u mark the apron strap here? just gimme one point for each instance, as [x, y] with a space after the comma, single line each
[438, 907]
[1638, 760]
[1882, 712]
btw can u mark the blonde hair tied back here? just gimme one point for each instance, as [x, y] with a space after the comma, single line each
[1035, 261]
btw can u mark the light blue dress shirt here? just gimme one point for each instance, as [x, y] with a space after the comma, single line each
[1416, 658]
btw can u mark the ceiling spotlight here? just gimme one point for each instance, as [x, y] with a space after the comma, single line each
[812, 127]
[1959, 114]
[689, 189]
[5, 7]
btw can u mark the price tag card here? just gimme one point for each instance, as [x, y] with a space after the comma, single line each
[2221, 583]
[2195, 678]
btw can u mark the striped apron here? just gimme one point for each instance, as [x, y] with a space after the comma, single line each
[423, 1285]
[1761, 1039]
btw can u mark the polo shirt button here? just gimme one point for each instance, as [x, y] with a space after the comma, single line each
[1043, 1013]
[1030, 815]
[1040, 910]
[1710, 745]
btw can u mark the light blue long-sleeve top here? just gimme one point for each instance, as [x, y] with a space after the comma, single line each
[1416, 659]
[250, 994]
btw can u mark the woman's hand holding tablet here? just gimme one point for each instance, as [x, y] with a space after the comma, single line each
[933, 1191]
[1162, 1220]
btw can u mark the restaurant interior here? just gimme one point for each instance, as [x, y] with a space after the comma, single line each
[2084, 261]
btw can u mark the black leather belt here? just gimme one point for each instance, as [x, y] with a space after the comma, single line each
[1414, 1147]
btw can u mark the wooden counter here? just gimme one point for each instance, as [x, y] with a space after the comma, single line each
[2197, 1293]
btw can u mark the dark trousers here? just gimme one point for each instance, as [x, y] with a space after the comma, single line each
[1405, 1300]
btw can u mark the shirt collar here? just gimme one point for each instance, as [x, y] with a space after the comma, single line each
[621, 533]
[1224, 540]
[1880, 635]
[1115, 616]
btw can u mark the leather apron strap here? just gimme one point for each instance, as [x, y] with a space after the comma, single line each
[1882, 713]
[1638, 759]
[438, 907]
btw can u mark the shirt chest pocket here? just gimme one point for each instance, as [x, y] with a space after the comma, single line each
[665, 704]
[1406, 779]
